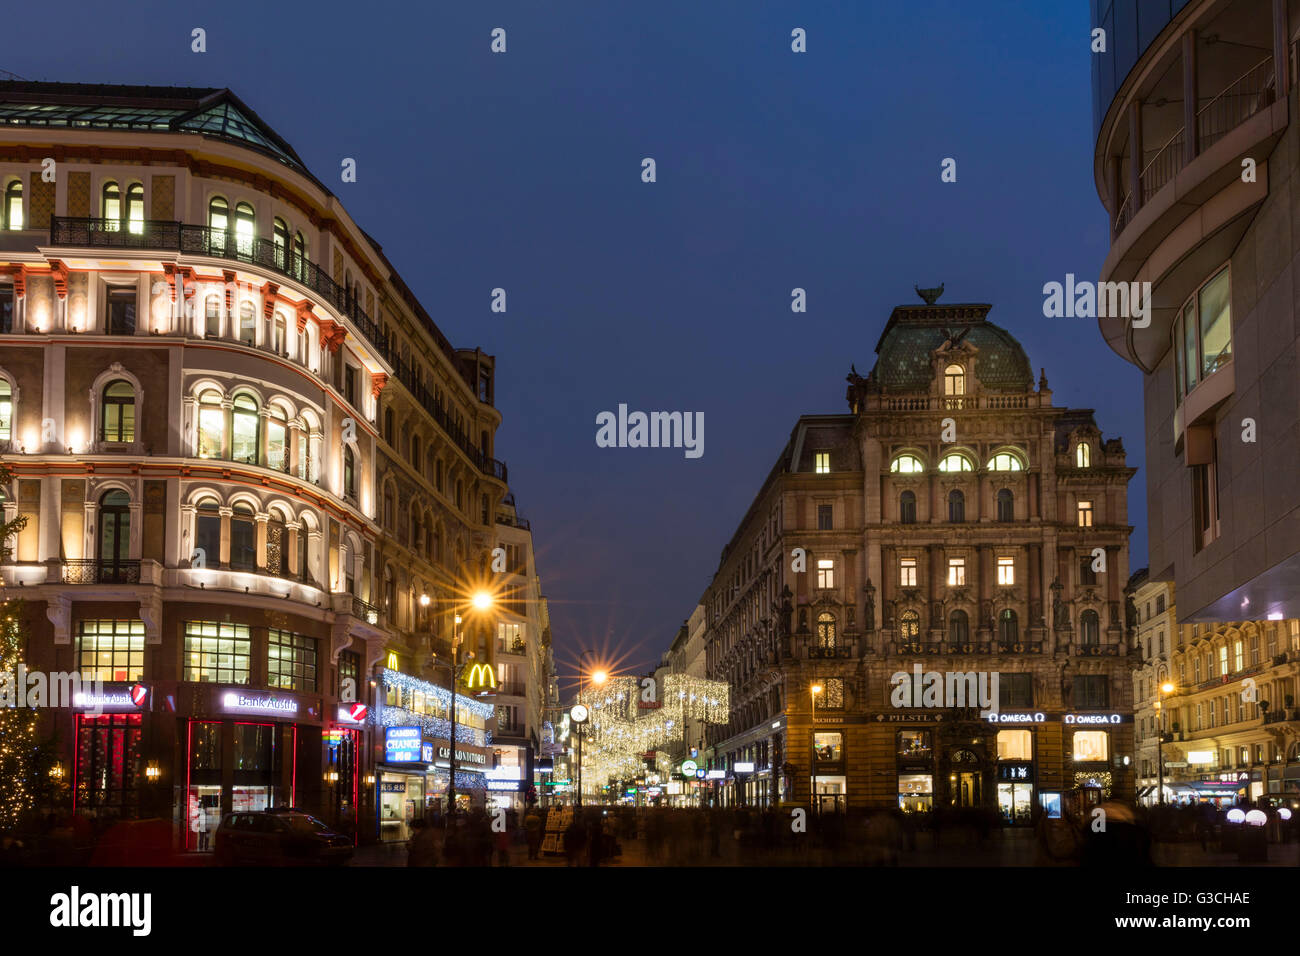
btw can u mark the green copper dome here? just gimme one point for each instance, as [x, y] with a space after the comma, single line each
[903, 354]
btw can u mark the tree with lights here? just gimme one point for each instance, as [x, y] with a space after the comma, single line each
[18, 741]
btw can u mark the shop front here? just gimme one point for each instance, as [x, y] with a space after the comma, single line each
[245, 751]
[1015, 776]
[915, 767]
[401, 782]
[108, 767]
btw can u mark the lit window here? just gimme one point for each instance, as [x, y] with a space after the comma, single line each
[909, 625]
[954, 380]
[1085, 514]
[135, 208]
[907, 573]
[829, 746]
[822, 462]
[1091, 745]
[1006, 571]
[111, 201]
[6, 410]
[826, 574]
[956, 572]
[1015, 745]
[244, 430]
[1238, 656]
[212, 425]
[219, 653]
[826, 631]
[955, 462]
[117, 420]
[1083, 455]
[13, 207]
[1005, 461]
[907, 465]
[110, 650]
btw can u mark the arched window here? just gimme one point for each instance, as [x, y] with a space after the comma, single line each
[244, 429]
[1086, 574]
[390, 510]
[280, 240]
[415, 451]
[485, 510]
[212, 425]
[111, 204]
[460, 494]
[135, 208]
[218, 224]
[247, 324]
[6, 410]
[826, 631]
[117, 416]
[280, 337]
[114, 548]
[245, 229]
[417, 531]
[956, 506]
[243, 538]
[907, 465]
[388, 425]
[954, 380]
[1090, 627]
[1005, 461]
[207, 532]
[277, 439]
[435, 553]
[438, 478]
[1006, 505]
[909, 626]
[299, 265]
[350, 473]
[13, 209]
[304, 572]
[955, 462]
[1008, 627]
[212, 317]
[958, 627]
[1083, 455]
[907, 507]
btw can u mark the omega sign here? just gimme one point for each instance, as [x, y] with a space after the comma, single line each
[1037, 717]
[1092, 719]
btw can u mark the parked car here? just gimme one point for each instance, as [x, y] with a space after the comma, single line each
[279, 838]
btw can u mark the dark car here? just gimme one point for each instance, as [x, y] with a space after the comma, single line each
[279, 838]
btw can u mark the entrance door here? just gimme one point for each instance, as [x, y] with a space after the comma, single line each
[966, 789]
[1015, 802]
[114, 536]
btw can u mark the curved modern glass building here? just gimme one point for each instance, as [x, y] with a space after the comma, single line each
[1193, 162]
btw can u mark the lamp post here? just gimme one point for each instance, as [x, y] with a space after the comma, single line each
[481, 601]
[598, 677]
[813, 691]
[1166, 689]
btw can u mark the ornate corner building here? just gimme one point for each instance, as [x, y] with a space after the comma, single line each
[256, 475]
[955, 521]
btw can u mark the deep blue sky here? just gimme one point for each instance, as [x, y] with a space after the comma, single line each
[775, 170]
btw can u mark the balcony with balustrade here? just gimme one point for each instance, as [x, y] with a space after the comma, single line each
[1208, 93]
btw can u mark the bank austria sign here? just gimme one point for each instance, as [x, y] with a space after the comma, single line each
[238, 702]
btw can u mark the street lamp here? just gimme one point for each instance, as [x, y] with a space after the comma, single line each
[813, 691]
[1166, 689]
[481, 601]
[598, 678]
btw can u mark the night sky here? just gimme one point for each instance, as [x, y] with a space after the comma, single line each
[775, 170]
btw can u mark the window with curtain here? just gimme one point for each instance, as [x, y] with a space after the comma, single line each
[277, 439]
[907, 507]
[1006, 502]
[956, 507]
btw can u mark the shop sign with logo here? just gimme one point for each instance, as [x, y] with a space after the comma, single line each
[463, 756]
[402, 745]
[109, 698]
[1023, 772]
[239, 702]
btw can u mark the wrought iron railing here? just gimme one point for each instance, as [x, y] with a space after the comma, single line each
[256, 250]
[367, 612]
[93, 571]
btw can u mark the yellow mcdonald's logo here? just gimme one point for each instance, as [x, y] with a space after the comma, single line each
[392, 661]
[480, 676]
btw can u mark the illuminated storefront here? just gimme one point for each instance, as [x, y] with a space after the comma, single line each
[915, 770]
[1015, 776]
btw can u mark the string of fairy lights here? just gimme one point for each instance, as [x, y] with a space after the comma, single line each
[630, 719]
